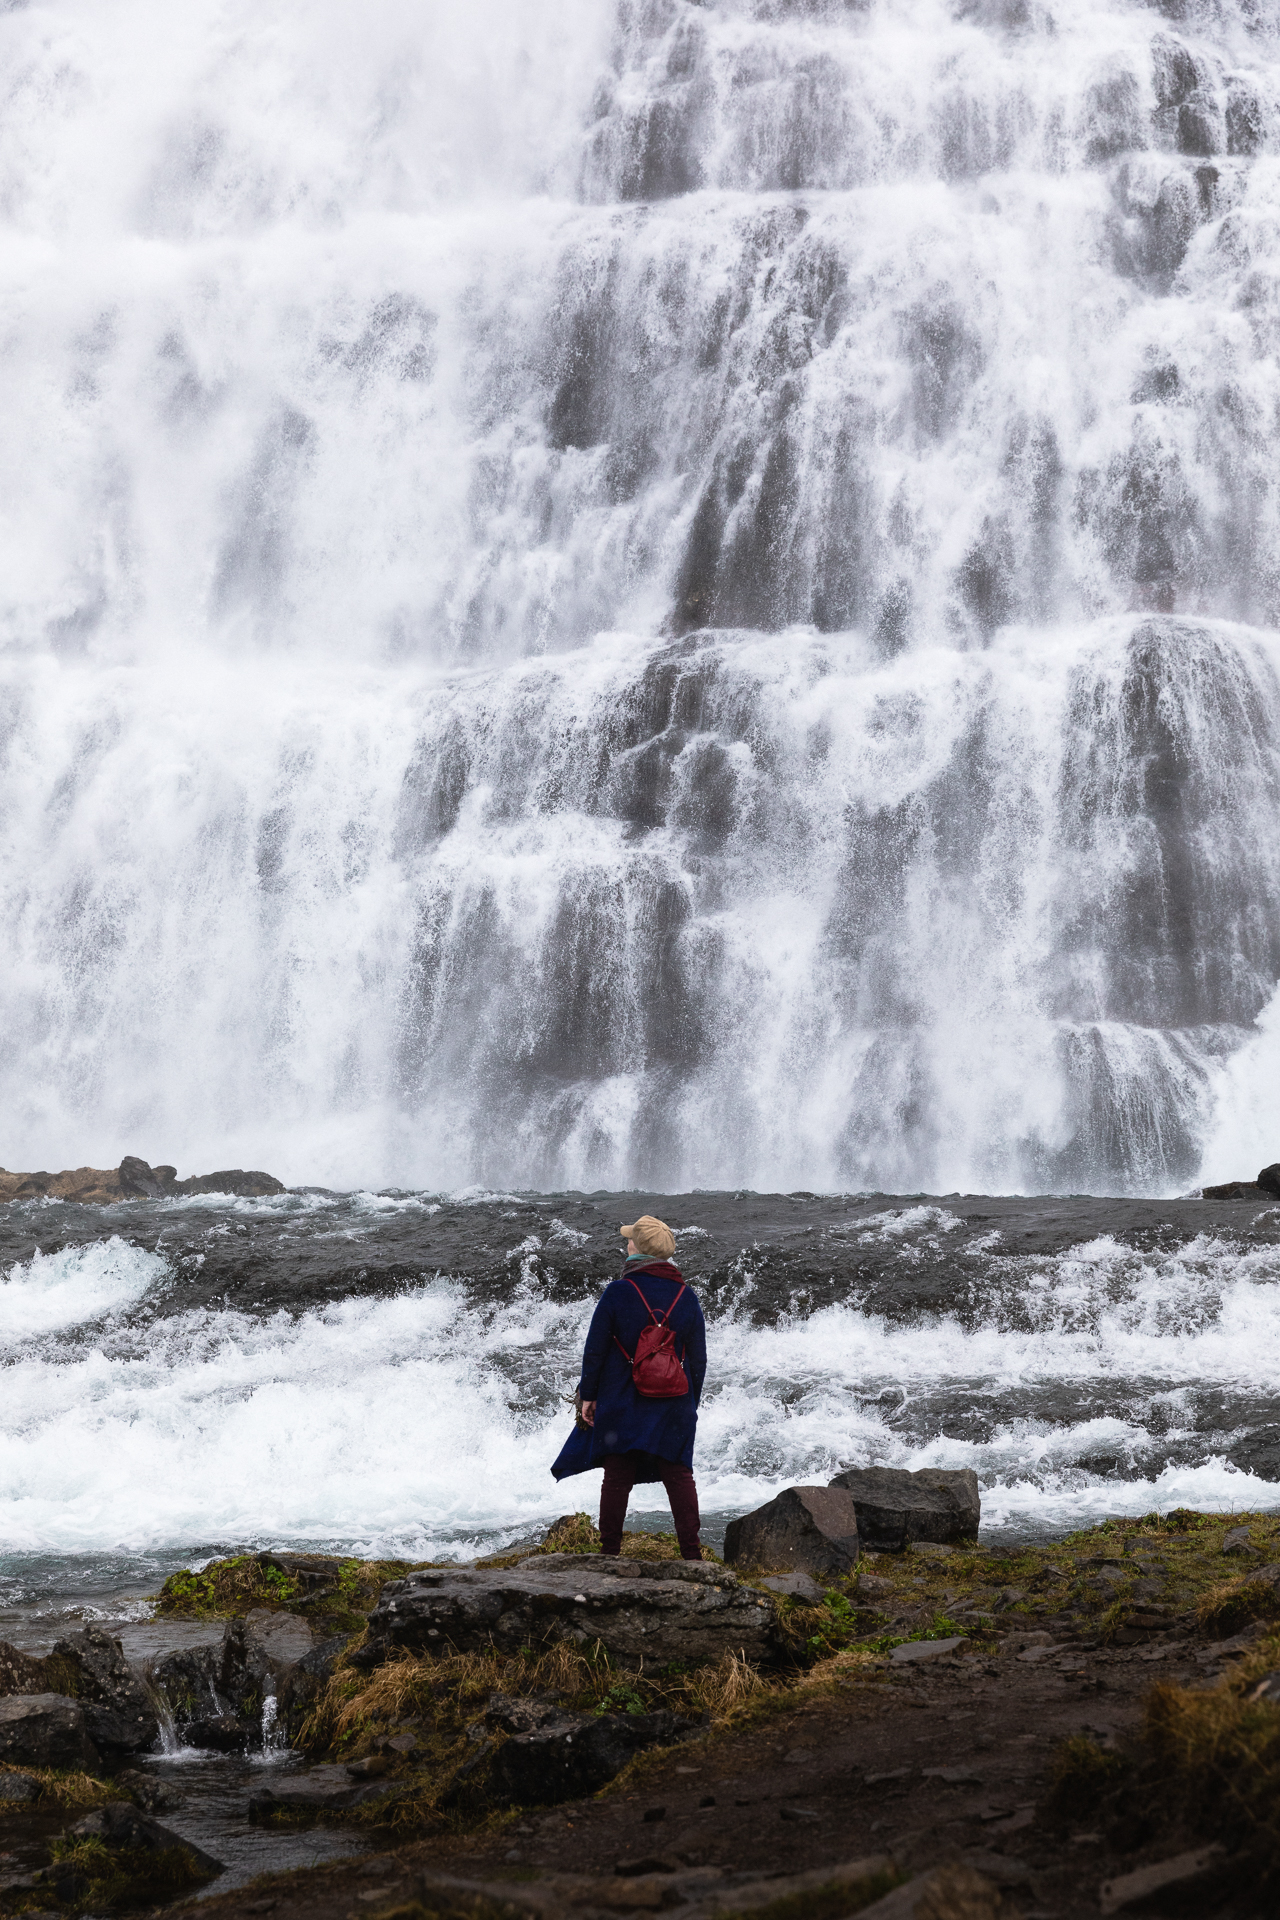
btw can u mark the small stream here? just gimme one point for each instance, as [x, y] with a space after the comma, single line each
[208, 1793]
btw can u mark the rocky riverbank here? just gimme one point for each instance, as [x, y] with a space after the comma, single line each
[939, 1729]
[133, 1179]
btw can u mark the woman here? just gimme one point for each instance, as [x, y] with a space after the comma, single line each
[631, 1434]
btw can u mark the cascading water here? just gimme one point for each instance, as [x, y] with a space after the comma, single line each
[643, 592]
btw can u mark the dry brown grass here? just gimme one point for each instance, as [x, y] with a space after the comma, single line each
[1233, 1604]
[1218, 1754]
[59, 1789]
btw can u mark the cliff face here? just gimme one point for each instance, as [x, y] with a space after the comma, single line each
[133, 1179]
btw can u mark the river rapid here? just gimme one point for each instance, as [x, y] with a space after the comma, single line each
[386, 1373]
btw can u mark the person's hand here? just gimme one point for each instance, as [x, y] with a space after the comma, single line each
[589, 1412]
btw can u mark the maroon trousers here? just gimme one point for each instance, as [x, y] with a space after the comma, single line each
[682, 1492]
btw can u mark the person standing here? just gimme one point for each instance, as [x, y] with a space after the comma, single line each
[642, 1371]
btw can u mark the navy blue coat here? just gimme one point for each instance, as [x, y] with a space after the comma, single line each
[625, 1421]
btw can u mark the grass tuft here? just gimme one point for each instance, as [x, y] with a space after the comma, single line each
[61, 1788]
[1225, 1608]
[1084, 1773]
[1218, 1754]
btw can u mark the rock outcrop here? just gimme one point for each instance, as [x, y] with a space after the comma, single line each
[45, 1730]
[1266, 1187]
[216, 1694]
[642, 1612]
[553, 1756]
[896, 1507]
[807, 1529]
[89, 1669]
[133, 1179]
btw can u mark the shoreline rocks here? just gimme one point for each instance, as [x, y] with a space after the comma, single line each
[896, 1508]
[806, 1529]
[639, 1610]
[93, 1705]
[1265, 1187]
[133, 1179]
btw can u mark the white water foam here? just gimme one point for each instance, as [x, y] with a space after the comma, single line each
[53, 1291]
[418, 1424]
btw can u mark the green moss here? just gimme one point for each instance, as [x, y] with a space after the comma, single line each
[241, 1583]
[93, 1876]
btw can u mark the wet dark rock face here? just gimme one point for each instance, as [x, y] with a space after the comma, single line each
[86, 1700]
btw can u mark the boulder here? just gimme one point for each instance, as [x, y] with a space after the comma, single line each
[89, 1667]
[640, 1611]
[22, 1673]
[1269, 1179]
[232, 1180]
[264, 1643]
[189, 1679]
[812, 1529]
[1235, 1190]
[18, 1789]
[896, 1507]
[224, 1733]
[120, 1824]
[575, 1753]
[118, 1709]
[45, 1730]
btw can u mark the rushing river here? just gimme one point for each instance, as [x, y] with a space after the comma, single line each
[386, 1374]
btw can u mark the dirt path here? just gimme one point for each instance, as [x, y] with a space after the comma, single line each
[949, 1760]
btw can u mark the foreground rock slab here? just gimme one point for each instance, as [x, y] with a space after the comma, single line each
[807, 1529]
[641, 1611]
[896, 1508]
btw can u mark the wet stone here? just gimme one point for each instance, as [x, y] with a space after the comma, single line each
[45, 1730]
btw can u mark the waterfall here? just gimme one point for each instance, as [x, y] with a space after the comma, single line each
[643, 592]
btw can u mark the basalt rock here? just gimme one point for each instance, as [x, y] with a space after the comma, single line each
[224, 1733]
[640, 1611]
[573, 1753]
[191, 1680]
[117, 1707]
[300, 1686]
[1269, 1180]
[807, 1529]
[896, 1507]
[120, 1825]
[45, 1730]
[89, 1667]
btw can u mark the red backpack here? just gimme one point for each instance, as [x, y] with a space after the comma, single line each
[655, 1370]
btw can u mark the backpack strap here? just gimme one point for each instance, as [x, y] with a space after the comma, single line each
[658, 1321]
